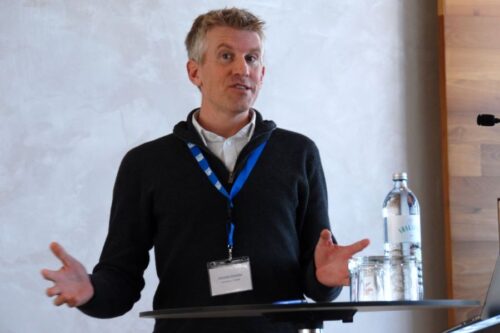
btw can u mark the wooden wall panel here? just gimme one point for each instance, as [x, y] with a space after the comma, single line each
[473, 64]
[472, 277]
[490, 160]
[483, 8]
[465, 159]
[472, 32]
[466, 97]
[470, 80]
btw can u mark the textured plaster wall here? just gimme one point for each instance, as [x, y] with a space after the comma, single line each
[81, 82]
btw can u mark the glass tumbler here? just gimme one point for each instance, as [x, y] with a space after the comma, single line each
[367, 278]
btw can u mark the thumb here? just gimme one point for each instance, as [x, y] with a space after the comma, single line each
[325, 238]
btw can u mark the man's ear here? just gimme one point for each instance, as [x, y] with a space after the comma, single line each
[192, 69]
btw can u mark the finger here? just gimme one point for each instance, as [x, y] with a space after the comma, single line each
[325, 238]
[71, 302]
[346, 282]
[60, 300]
[358, 246]
[60, 253]
[53, 291]
[49, 275]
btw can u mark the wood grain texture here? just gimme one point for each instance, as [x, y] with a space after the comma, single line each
[470, 97]
[470, 51]
[490, 160]
[482, 252]
[472, 271]
[478, 192]
[472, 32]
[473, 64]
[484, 8]
[465, 160]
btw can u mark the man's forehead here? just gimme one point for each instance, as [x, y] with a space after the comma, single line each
[233, 38]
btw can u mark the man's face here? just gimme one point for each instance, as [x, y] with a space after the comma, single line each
[230, 74]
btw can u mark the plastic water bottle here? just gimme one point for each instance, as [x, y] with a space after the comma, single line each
[401, 213]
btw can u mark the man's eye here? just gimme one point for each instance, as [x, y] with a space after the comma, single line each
[251, 58]
[226, 56]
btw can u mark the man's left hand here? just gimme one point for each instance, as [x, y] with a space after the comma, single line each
[331, 260]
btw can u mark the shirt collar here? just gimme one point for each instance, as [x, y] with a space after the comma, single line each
[245, 132]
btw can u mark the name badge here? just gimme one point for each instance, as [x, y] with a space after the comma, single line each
[228, 277]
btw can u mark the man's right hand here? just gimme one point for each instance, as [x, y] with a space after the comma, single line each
[71, 282]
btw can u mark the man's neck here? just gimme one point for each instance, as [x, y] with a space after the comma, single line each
[223, 124]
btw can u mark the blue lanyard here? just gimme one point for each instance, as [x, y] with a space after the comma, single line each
[235, 189]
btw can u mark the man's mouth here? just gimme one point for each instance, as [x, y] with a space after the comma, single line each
[240, 86]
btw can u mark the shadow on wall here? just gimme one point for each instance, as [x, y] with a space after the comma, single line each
[421, 96]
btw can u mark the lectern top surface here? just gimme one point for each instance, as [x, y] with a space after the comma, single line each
[256, 310]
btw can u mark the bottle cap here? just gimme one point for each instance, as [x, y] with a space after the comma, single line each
[400, 176]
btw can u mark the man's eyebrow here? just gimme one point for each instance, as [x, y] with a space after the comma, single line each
[224, 45]
[227, 46]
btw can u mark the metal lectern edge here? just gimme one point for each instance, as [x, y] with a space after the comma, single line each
[315, 309]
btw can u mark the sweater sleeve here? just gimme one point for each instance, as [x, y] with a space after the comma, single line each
[118, 277]
[314, 220]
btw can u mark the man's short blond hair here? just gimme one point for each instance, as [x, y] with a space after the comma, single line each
[228, 17]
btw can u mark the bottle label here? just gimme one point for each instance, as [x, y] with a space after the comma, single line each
[403, 228]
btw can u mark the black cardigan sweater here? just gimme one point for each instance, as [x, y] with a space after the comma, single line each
[162, 199]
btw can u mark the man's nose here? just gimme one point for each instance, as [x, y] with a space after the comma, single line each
[241, 67]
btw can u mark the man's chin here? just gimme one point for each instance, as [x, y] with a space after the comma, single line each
[241, 107]
[245, 105]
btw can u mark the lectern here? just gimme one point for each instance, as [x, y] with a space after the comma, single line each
[307, 317]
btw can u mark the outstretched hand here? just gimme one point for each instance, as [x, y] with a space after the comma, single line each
[331, 260]
[71, 282]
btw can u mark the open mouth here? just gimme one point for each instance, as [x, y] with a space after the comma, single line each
[241, 87]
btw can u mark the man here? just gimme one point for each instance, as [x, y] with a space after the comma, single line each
[226, 195]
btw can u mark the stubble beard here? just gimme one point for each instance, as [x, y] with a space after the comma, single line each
[239, 105]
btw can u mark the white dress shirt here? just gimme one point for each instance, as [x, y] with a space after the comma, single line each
[226, 149]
